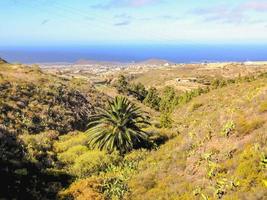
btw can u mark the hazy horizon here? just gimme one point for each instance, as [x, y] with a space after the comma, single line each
[183, 53]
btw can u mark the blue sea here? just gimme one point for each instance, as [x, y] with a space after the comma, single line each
[184, 53]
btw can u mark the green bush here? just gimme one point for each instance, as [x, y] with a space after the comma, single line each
[263, 107]
[152, 99]
[169, 100]
[72, 139]
[138, 91]
[166, 120]
[114, 188]
[69, 156]
[92, 162]
[249, 170]
[122, 85]
[39, 148]
[228, 128]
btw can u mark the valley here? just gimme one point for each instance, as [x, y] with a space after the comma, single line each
[204, 125]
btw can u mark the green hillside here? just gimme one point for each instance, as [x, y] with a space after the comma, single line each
[35, 108]
[216, 150]
[32, 101]
[60, 138]
[220, 153]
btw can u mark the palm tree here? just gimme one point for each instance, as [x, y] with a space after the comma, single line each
[118, 127]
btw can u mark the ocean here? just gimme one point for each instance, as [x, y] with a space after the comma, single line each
[185, 53]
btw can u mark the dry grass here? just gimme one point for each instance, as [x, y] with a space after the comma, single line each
[160, 78]
[199, 163]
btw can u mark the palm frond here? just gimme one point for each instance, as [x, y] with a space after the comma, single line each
[118, 127]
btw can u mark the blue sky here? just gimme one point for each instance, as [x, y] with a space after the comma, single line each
[54, 22]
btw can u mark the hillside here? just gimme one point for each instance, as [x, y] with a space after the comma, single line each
[167, 76]
[33, 101]
[206, 143]
[154, 61]
[35, 108]
[220, 152]
[215, 149]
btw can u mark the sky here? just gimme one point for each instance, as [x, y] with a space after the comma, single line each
[58, 22]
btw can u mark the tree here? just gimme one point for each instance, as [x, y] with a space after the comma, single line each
[169, 100]
[122, 84]
[138, 91]
[118, 127]
[152, 98]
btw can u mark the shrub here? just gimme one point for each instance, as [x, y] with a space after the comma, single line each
[185, 98]
[249, 169]
[114, 188]
[39, 147]
[69, 156]
[152, 98]
[263, 107]
[169, 100]
[158, 136]
[138, 91]
[92, 162]
[122, 85]
[115, 177]
[89, 189]
[166, 120]
[72, 139]
[228, 128]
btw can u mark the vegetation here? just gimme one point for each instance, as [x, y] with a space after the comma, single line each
[122, 84]
[214, 159]
[152, 98]
[139, 91]
[118, 128]
[263, 107]
[89, 188]
[34, 107]
[24, 178]
[228, 128]
[206, 143]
